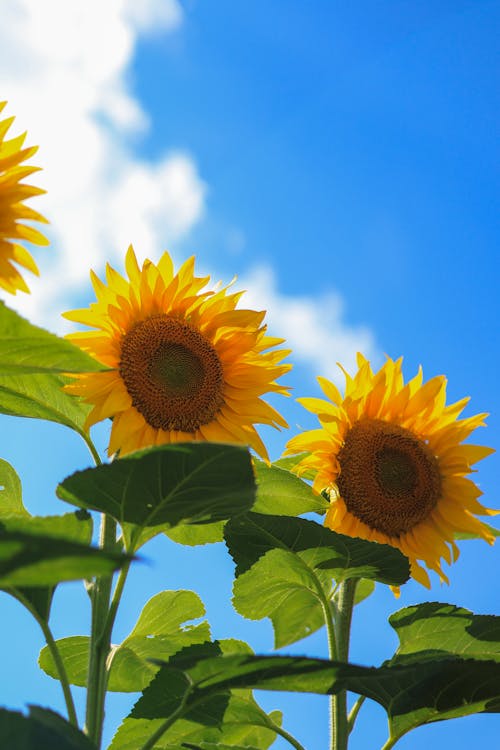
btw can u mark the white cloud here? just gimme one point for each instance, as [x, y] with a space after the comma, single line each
[64, 71]
[312, 327]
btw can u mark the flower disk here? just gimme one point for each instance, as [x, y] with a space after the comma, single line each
[13, 212]
[390, 457]
[185, 364]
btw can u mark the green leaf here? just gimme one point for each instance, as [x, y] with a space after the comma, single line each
[32, 363]
[162, 487]
[190, 535]
[43, 560]
[281, 493]
[431, 630]
[290, 462]
[412, 694]
[11, 500]
[27, 349]
[244, 722]
[250, 536]
[15, 517]
[160, 631]
[41, 730]
[285, 569]
[280, 586]
[430, 690]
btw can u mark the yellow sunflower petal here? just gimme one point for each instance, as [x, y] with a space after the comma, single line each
[13, 211]
[392, 458]
[187, 364]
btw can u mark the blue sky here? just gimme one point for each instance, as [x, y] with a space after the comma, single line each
[341, 159]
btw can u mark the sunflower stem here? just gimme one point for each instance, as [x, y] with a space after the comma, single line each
[100, 640]
[343, 606]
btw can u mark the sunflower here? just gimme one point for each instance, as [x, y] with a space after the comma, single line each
[13, 212]
[391, 460]
[184, 363]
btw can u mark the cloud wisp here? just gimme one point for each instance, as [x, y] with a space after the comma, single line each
[313, 327]
[65, 73]
[65, 69]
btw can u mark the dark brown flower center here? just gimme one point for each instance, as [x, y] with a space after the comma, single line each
[172, 373]
[389, 478]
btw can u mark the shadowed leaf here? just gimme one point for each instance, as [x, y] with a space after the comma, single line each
[184, 483]
[43, 560]
[41, 730]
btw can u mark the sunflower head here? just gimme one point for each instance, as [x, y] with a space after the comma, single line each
[184, 363]
[391, 458]
[13, 212]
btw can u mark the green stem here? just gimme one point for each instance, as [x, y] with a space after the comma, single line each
[353, 714]
[283, 733]
[343, 615]
[61, 671]
[93, 450]
[149, 745]
[390, 743]
[56, 656]
[100, 640]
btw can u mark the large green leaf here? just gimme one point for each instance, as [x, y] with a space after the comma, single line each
[243, 723]
[250, 536]
[286, 567]
[31, 373]
[281, 493]
[412, 694]
[427, 691]
[41, 730]
[75, 527]
[431, 630]
[160, 631]
[42, 397]
[27, 349]
[165, 486]
[28, 559]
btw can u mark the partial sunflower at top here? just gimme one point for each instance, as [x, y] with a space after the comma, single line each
[185, 364]
[13, 211]
[391, 459]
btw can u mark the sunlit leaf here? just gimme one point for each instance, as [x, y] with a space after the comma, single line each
[433, 630]
[28, 349]
[41, 730]
[166, 486]
[196, 534]
[11, 500]
[160, 631]
[281, 493]
[286, 568]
